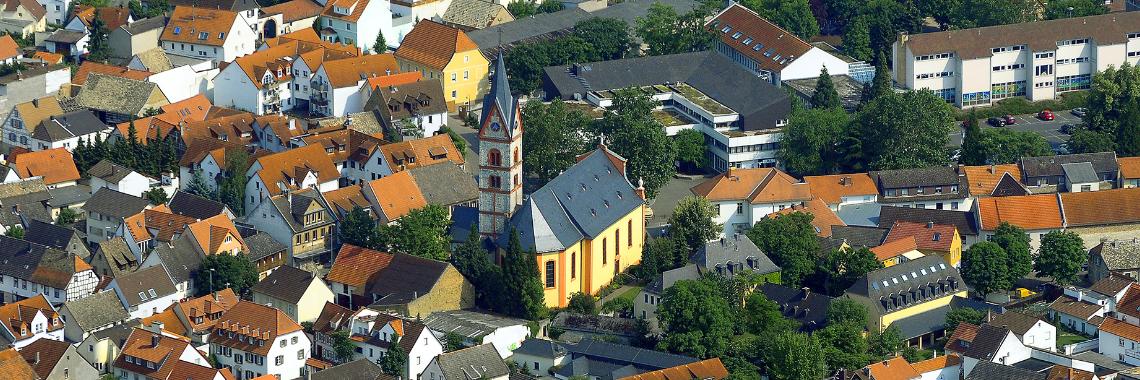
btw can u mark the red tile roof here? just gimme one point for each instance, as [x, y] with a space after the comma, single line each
[756, 185]
[89, 67]
[707, 369]
[822, 216]
[832, 188]
[1121, 329]
[54, 165]
[1129, 167]
[983, 179]
[433, 44]
[1031, 212]
[188, 23]
[355, 265]
[14, 367]
[256, 323]
[895, 248]
[777, 47]
[155, 348]
[893, 369]
[1104, 207]
[8, 48]
[928, 236]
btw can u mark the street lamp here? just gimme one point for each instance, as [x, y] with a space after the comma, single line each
[1070, 12]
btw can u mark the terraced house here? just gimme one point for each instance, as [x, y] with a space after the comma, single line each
[1038, 60]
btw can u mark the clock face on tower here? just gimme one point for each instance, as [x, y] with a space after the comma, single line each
[495, 126]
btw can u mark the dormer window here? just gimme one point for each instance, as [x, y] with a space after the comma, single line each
[222, 36]
[203, 35]
[177, 30]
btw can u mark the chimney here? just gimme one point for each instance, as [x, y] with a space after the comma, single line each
[993, 169]
[35, 103]
[930, 224]
[154, 339]
[640, 190]
[37, 360]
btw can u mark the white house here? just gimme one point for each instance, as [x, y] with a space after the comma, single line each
[146, 292]
[374, 332]
[32, 269]
[336, 85]
[745, 196]
[107, 174]
[148, 353]
[184, 82]
[214, 34]
[252, 340]
[106, 210]
[505, 333]
[1032, 332]
[30, 319]
[25, 117]
[297, 292]
[481, 362]
[357, 22]
[65, 131]
[416, 109]
[294, 169]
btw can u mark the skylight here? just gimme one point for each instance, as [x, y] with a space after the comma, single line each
[726, 28]
[177, 29]
[769, 52]
[747, 41]
[737, 35]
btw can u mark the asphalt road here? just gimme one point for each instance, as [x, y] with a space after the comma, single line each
[1051, 130]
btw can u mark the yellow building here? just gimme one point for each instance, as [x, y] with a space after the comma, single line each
[907, 294]
[940, 240]
[445, 53]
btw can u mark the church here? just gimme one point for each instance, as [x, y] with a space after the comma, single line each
[586, 226]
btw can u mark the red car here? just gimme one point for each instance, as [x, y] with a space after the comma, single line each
[1046, 115]
[1008, 119]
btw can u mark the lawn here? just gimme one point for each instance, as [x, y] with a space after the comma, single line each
[1065, 338]
[631, 293]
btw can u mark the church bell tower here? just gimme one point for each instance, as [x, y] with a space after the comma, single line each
[500, 155]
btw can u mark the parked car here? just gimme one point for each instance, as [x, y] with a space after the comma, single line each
[1008, 119]
[1046, 115]
[1061, 149]
[996, 122]
[1080, 111]
[1068, 129]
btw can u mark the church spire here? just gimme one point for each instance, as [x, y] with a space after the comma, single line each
[500, 95]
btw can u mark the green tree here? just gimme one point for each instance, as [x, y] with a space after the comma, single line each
[908, 130]
[825, 95]
[697, 321]
[553, 138]
[218, 272]
[98, 44]
[459, 141]
[15, 232]
[886, 344]
[691, 152]
[793, 356]
[198, 185]
[1128, 132]
[791, 243]
[665, 31]
[156, 196]
[973, 149]
[842, 268]
[522, 287]
[843, 346]
[521, 9]
[881, 85]
[963, 314]
[763, 317]
[692, 222]
[793, 15]
[452, 341]
[660, 254]
[886, 18]
[847, 311]
[634, 134]
[609, 36]
[857, 40]
[1057, 9]
[1004, 146]
[1015, 242]
[619, 306]
[232, 189]
[985, 266]
[67, 216]
[979, 13]
[422, 232]
[474, 262]
[811, 138]
[357, 228]
[940, 10]
[841, 13]
[549, 6]
[581, 303]
[1112, 92]
[1086, 141]
[343, 346]
[380, 46]
[1061, 255]
[395, 361]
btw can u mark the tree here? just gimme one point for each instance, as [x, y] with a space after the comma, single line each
[581, 303]
[343, 346]
[635, 135]
[696, 319]
[1112, 92]
[549, 6]
[691, 152]
[198, 186]
[692, 223]
[380, 46]
[15, 232]
[619, 306]
[521, 9]
[1128, 132]
[886, 18]
[940, 10]
[522, 287]
[846, 311]
[1057, 9]
[1061, 255]
[474, 262]
[985, 266]
[957, 316]
[839, 270]
[793, 356]
[908, 130]
[658, 256]
[98, 45]
[232, 189]
[881, 84]
[973, 150]
[452, 341]
[395, 360]
[553, 138]
[156, 196]
[1015, 242]
[885, 344]
[1086, 141]
[857, 40]
[791, 243]
[666, 32]
[825, 95]
[793, 15]
[609, 36]
[844, 346]
[422, 233]
[67, 216]
[763, 317]
[979, 13]
[810, 141]
[1004, 146]
[459, 141]
[218, 272]
[357, 228]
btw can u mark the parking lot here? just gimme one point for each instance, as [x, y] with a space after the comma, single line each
[1051, 130]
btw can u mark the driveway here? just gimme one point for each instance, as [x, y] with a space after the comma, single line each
[471, 156]
[1050, 130]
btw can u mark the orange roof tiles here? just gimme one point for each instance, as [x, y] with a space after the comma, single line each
[746, 25]
[112, 17]
[356, 6]
[394, 79]
[208, 307]
[704, 370]
[1102, 207]
[252, 322]
[211, 232]
[1031, 212]
[187, 24]
[397, 195]
[291, 166]
[14, 367]
[757, 185]
[937, 363]
[421, 152]
[141, 344]
[983, 179]
[822, 216]
[1129, 167]
[8, 48]
[893, 369]
[345, 199]
[1060, 372]
[48, 57]
[191, 109]
[929, 236]
[89, 67]
[17, 314]
[54, 165]
[433, 44]
[832, 188]
[306, 34]
[1121, 329]
[294, 10]
[169, 321]
[348, 72]
[157, 223]
[895, 248]
[355, 265]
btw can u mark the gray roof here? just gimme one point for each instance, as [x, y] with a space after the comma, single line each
[479, 362]
[66, 36]
[617, 353]
[860, 214]
[987, 342]
[908, 178]
[1080, 172]
[407, 100]
[405, 278]
[1051, 165]
[118, 333]
[180, 258]
[962, 220]
[69, 195]
[804, 306]
[261, 245]
[97, 310]
[596, 324]
[194, 206]
[300, 200]
[20, 188]
[475, 14]
[860, 236]
[894, 283]
[922, 323]
[759, 103]
[157, 22]
[1118, 254]
[115, 204]
[733, 250]
[136, 286]
[361, 369]
[850, 90]
[69, 125]
[36, 263]
[986, 370]
[445, 184]
[666, 279]
[540, 348]
[469, 323]
[581, 202]
[51, 235]
[109, 171]
[1017, 322]
[286, 283]
[114, 94]
[118, 256]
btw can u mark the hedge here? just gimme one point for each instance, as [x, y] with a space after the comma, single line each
[1022, 106]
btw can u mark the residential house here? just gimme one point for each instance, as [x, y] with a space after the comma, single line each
[481, 362]
[415, 286]
[946, 367]
[910, 295]
[259, 340]
[965, 222]
[57, 360]
[823, 218]
[9, 50]
[712, 369]
[1098, 216]
[1049, 173]
[216, 235]
[938, 187]
[1082, 310]
[477, 328]
[1032, 331]
[135, 37]
[414, 110]
[196, 206]
[102, 347]
[91, 314]
[446, 185]
[181, 259]
[931, 239]
[290, 16]
[159, 355]
[36, 81]
[72, 198]
[30, 319]
[333, 317]
[445, 53]
[145, 292]
[1129, 171]
[1118, 339]
[147, 229]
[67, 130]
[117, 177]
[350, 272]
[1035, 60]
[361, 369]
[198, 315]
[539, 355]
[116, 100]
[358, 22]
[743, 197]
[219, 35]
[55, 236]
[56, 166]
[468, 15]
[769, 51]
[994, 180]
[802, 305]
[289, 171]
[15, 366]
[1036, 214]
[205, 159]
[275, 78]
[39, 270]
[374, 333]
[23, 199]
[337, 85]
[265, 252]
[114, 258]
[393, 196]
[601, 359]
[897, 251]
[349, 151]
[26, 116]
[1114, 257]
[839, 190]
[413, 153]
[297, 292]
[23, 18]
[299, 219]
[87, 68]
